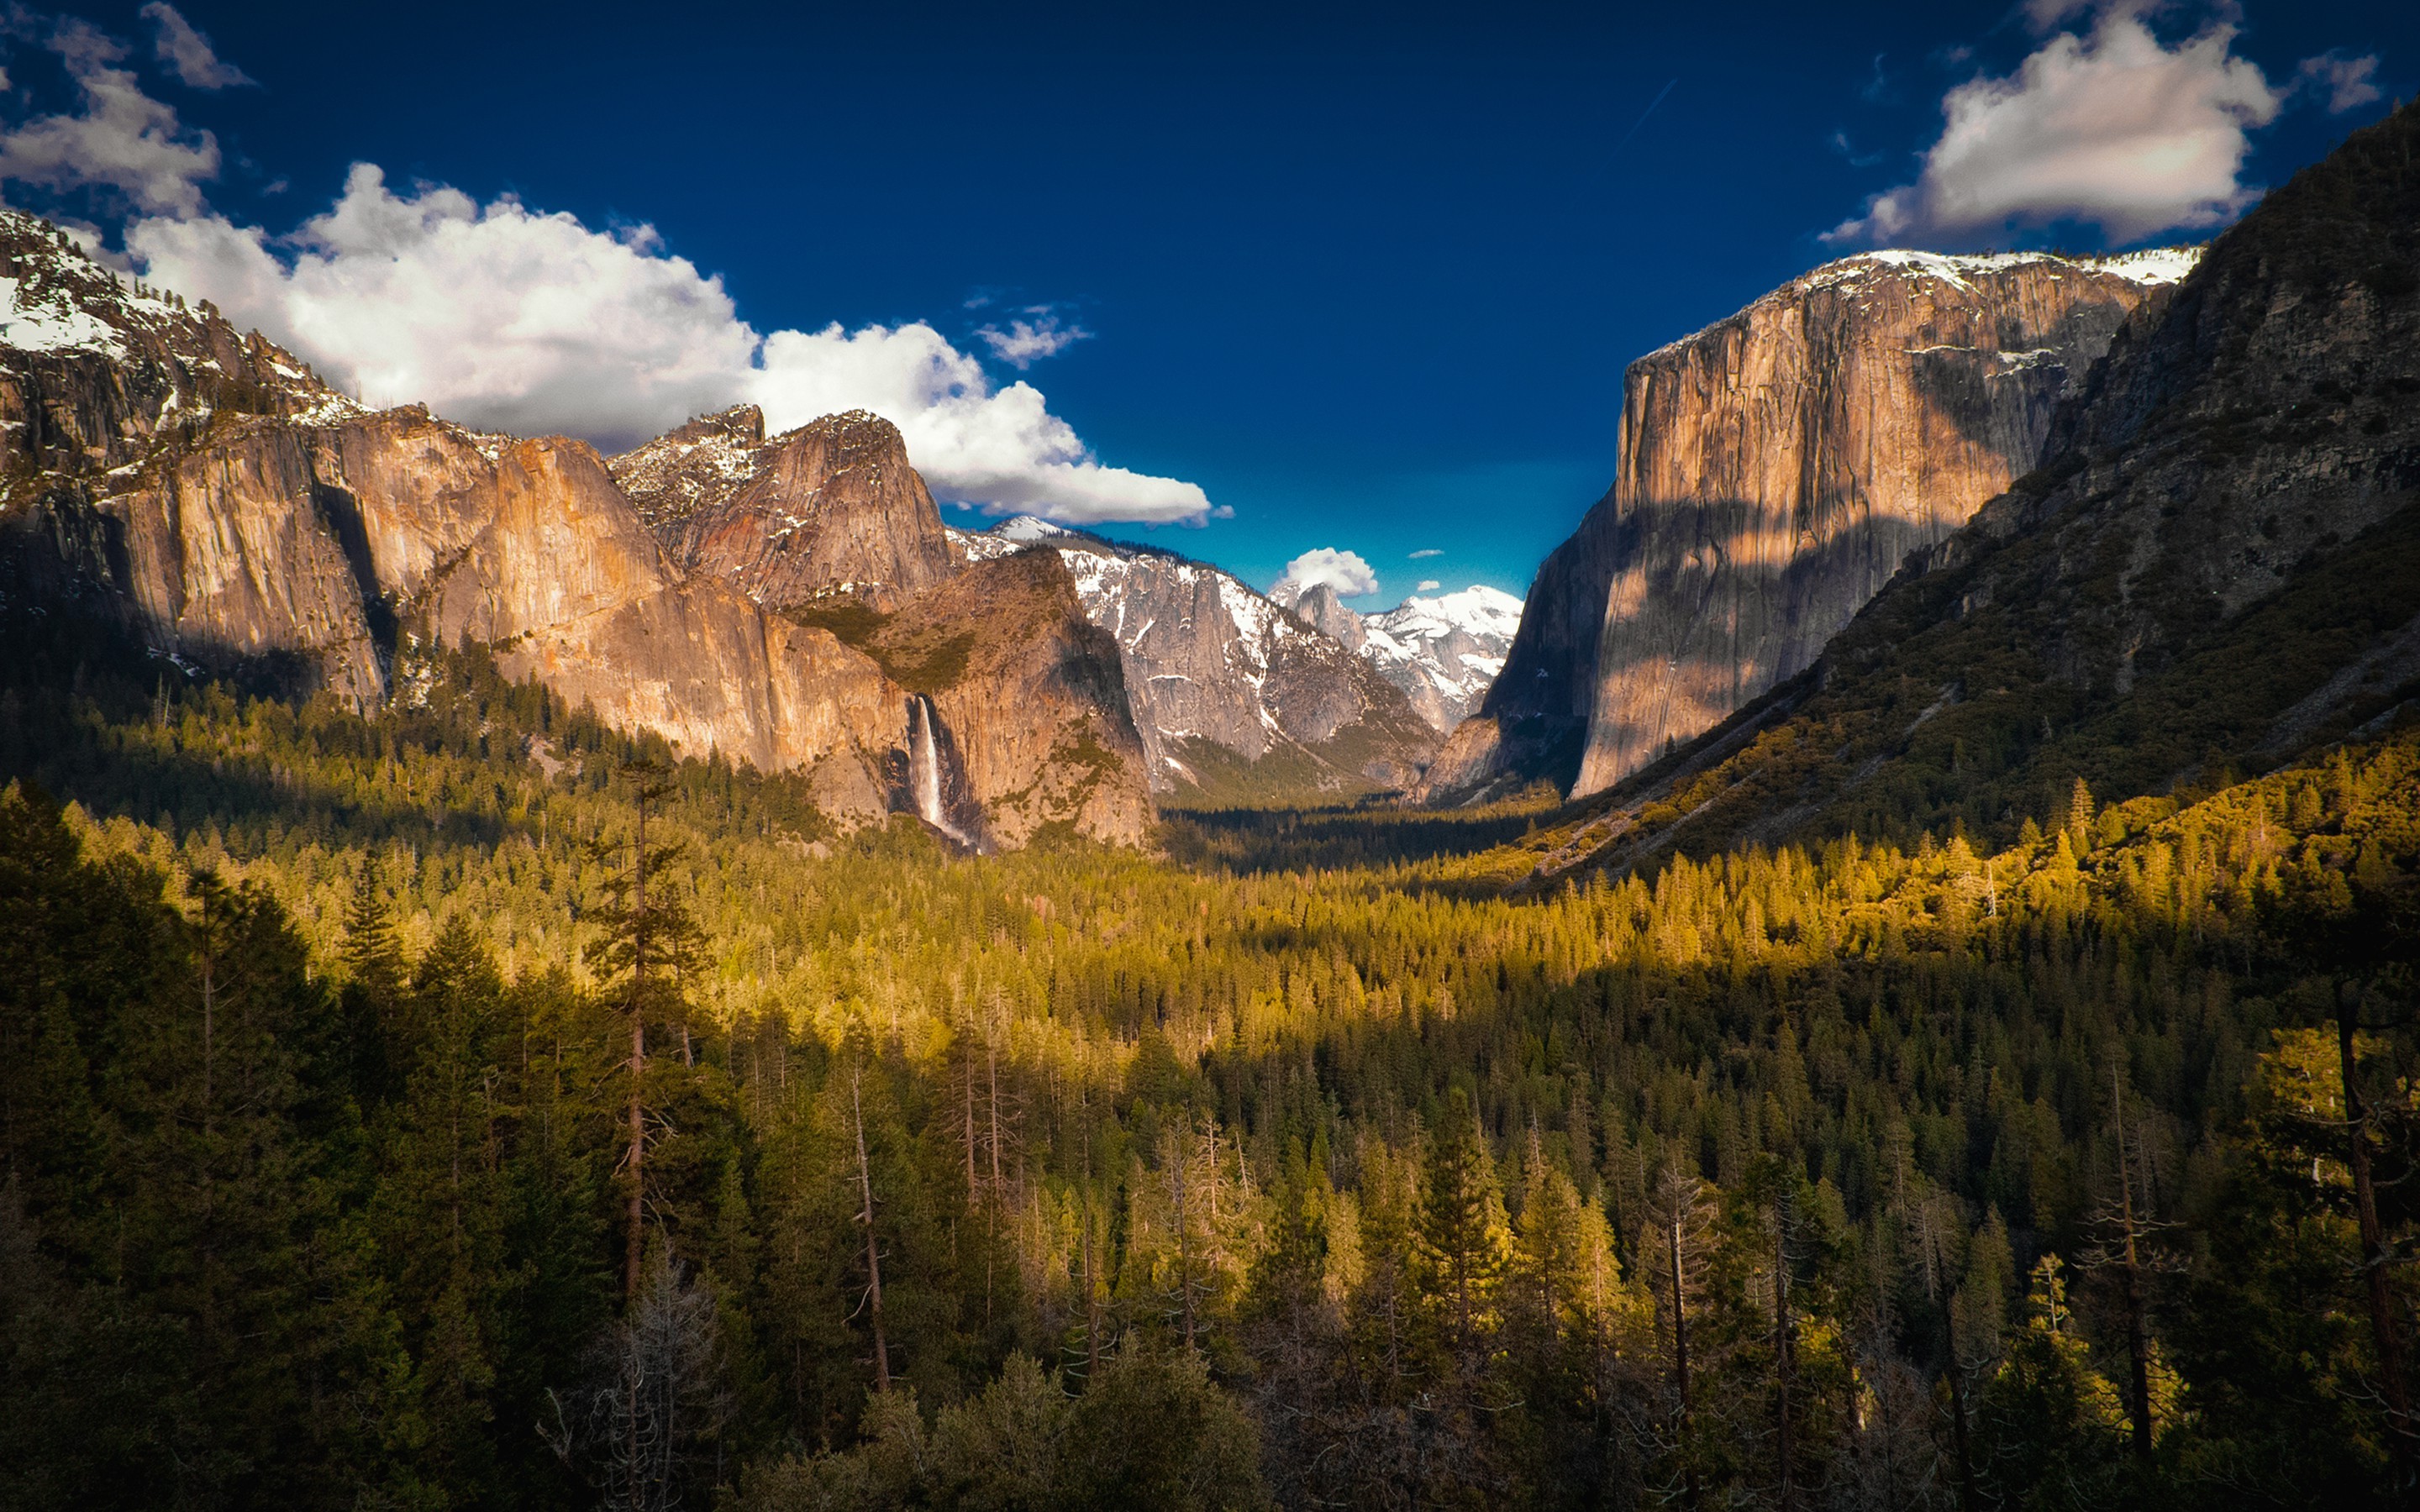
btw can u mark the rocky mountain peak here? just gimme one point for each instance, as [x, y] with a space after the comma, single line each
[832, 508]
[1323, 610]
[2214, 568]
[742, 424]
[203, 492]
[95, 364]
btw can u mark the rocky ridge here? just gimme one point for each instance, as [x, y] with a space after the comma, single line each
[1775, 469]
[207, 492]
[1444, 652]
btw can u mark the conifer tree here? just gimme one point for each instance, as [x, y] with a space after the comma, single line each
[650, 945]
[1461, 1240]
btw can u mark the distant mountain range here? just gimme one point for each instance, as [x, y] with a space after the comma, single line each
[1236, 698]
[1444, 653]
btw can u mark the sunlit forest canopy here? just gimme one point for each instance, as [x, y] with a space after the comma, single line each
[1867, 1174]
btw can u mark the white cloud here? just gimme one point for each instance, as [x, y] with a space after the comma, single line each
[500, 316]
[123, 139]
[188, 52]
[2115, 129]
[1027, 341]
[1426, 551]
[1343, 571]
[508, 319]
[999, 447]
[1426, 584]
[2350, 82]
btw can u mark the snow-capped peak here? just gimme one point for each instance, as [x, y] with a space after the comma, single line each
[1444, 651]
[1029, 528]
[1480, 611]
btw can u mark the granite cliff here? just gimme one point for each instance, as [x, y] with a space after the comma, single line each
[206, 492]
[831, 509]
[1774, 469]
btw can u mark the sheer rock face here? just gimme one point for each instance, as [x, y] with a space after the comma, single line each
[1324, 611]
[1775, 470]
[1209, 663]
[207, 492]
[832, 508]
[1531, 724]
[1031, 697]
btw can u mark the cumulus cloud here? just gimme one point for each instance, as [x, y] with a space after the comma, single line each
[1426, 584]
[121, 140]
[1424, 553]
[2115, 129]
[1343, 571]
[188, 52]
[498, 316]
[1027, 341]
[2349, 82]
[508, 318]
[1001, 448]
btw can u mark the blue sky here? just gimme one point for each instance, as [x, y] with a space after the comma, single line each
[1351, 278]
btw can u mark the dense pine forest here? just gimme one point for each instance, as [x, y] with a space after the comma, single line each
[390, 1122]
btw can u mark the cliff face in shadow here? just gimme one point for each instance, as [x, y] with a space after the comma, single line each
[1775, 469]
[207, 492]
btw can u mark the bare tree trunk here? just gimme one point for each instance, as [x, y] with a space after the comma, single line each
[2138, 1342]
[1681, 1360]
[635, 1241]
[873, 1251]
[1781, 1340]
[969, 1084]
[1966, 1502]
[1184, 1244]
[991, 1055]
[2373, 1261]
[209, 1072]
[1091, 1298]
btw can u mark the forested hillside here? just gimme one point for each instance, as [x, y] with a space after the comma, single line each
[1295, 1164]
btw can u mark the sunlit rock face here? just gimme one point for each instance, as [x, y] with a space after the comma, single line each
[830, 509]
[1775, 470]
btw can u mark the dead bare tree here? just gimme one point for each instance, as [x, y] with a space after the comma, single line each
[646, 1428]
[2383, 1326]
[1682, 1215]
[873, 1245]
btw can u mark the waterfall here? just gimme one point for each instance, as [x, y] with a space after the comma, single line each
[924, 772]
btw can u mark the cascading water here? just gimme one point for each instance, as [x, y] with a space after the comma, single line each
[924, 772]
